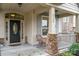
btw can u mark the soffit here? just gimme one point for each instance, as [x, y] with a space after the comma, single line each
[14, 7]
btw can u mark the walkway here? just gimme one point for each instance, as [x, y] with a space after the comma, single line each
[22, 50]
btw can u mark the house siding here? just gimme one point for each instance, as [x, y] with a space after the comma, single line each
[31, 27]
[2, 25]
[72, 6]
[28, 27]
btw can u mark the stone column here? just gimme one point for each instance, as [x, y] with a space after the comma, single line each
[52, 48]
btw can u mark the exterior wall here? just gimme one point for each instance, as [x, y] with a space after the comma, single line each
[31, 27]
[2, 26]
[28, 27]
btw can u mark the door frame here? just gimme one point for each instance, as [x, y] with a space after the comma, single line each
[7, 42]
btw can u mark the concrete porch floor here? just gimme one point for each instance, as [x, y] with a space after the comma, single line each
[23, 50]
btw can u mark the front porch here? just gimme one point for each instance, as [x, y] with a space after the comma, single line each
[21, 25]
[23, 50]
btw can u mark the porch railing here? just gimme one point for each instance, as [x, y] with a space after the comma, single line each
[65, 40]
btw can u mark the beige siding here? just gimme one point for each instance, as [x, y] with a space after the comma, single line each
[2, 26]
[28, 27]
[72, 6]
[31, 27]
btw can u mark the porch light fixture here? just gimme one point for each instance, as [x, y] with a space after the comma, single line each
[12, 15]
[20, 4]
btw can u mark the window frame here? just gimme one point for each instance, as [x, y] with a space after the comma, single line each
[41, 24]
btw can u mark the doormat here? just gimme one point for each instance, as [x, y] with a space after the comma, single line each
[15, 45]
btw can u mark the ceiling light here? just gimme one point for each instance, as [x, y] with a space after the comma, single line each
[20, 4]
[12, 15]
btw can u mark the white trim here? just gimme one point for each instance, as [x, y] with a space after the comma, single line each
[14, 43]
[41, 23]
[44, 16]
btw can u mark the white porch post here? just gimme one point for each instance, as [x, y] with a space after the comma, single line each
[34, 27]
[60, 25]
[74, 20]
[52, 43]
[77, 24]
[52, 21]
[74, 23]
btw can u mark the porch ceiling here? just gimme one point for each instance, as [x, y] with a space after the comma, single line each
[61, 11]
[14, 7]
[26, 7]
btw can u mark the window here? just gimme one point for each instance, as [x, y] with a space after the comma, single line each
[67, 24]
[44, 25]
[6, 30]
[22, 30]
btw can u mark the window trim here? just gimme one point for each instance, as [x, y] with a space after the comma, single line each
[41, 23]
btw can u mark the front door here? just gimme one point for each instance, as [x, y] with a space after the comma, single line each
[14, 31]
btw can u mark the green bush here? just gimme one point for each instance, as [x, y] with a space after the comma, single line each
[74, 48]
[67, 53]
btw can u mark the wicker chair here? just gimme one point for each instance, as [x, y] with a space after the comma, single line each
[2, 41]
[41, 40]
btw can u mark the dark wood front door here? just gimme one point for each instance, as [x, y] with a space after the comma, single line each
[14, 31]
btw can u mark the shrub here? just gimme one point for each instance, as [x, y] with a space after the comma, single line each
[74, 48]
[67, 53]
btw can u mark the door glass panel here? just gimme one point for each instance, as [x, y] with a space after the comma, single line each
[15, 28]
[6, 30]
[14, 31]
